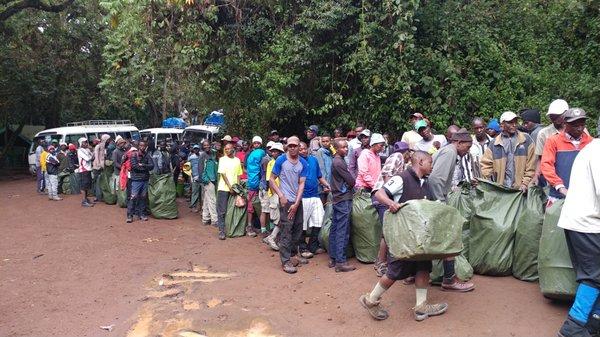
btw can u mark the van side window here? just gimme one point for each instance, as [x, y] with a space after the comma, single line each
[91, 137]
[124, 134]
[72, 139]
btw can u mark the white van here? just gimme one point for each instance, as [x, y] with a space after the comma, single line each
[89, 129]
[195, 134]
[159, 134]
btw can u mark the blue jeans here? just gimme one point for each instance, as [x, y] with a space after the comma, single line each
[340, 231]
[41, 183]
[136, 205]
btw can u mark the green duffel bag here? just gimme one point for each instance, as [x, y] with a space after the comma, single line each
[462, 200]
[557, 276]
[74, 186]
[365, 229]
[423, 230]
[324, 238]
[235, 219]
[527, 236]
[162, 196]
[462, 268]
[121, 194]
[493, 225]
[65, 183]
[107, 185]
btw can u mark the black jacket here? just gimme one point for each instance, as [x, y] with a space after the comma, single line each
[141, 165]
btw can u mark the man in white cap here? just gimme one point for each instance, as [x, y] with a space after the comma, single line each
[84, 170]
[510, 160]
[253, 169]
[555, 112]
[411, 137]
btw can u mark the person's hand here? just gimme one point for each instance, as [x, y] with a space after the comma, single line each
[535, 180]
[395, 207]
[563, 191]
[232, 192]
[282, 201]
[523, 188]
[292, 211]
[326, 189]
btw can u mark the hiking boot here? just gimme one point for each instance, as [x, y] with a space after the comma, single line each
[298, 261]
[320, 251]
[129, 219]
[57, 198]
[457, 285]
[250, 232]
[87, 204]
[144, 218]
[374, 309]
[307, 255]
[344, 267]
[331, 263]
[271, 243]
[289, 268]
[426, 310]
[221, 236]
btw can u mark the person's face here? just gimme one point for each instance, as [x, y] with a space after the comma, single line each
[303, 150]
[256, 145]
[359, 129]
[425, 133]
[143, 146]
[575, 129]
[528, 125]
[218, 146]
[245, 147]
[63, 147]
[558, 121]
[275, 138]
[463, 148]
[337, 133]
[342, 150]
[364, 141]
[386, 137]
[310, 134]
[326, 141]
[196, 150]
[84, 144]
[275, 153]
[293, 150]
[492, 133]
[479, 129]
[406, 156]
[510, 127]
[206, 147]
[426, 166]
[229, 150]
[376, 148]
[162, 146]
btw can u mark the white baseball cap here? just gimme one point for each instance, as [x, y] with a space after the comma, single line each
[277, 146]
[507, 116]
[376, 138]
[557, 107]
[256, 139]
[365, 132]
[270, 144]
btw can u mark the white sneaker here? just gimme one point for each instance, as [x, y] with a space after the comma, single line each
[271, 242]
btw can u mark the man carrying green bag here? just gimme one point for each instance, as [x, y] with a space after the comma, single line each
[409, 185]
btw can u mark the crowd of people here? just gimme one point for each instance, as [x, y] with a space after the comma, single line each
[300, 182]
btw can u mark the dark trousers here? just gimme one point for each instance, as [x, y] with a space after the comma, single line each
[96, 184]
[41, 182]
[339, 236]
[136, 205]
[290, 234]
[222, 199]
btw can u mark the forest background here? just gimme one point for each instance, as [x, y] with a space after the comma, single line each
[287, 64]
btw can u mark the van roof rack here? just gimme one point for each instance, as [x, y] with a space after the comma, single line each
[124, 122]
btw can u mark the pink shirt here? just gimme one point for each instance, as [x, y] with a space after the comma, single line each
[369, 167]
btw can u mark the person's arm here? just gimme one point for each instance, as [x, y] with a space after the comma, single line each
[438, 179]
[487, 164]
[115, 158]
[394, 186]
[294, 207]
[529, 168]
[149, 163]
[342, 169]
[548, 168]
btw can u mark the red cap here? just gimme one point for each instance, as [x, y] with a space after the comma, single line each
[72, 147]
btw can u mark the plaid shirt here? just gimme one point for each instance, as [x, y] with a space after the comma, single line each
[393, 166]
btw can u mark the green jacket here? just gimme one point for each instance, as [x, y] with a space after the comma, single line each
[209, 174]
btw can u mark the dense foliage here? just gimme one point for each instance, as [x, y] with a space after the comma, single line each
[286, 64]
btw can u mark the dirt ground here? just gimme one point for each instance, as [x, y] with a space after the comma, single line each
[67, 270]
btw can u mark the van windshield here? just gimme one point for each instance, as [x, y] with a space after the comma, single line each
[196, 136]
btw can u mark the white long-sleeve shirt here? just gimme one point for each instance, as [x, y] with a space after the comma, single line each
[581, 210]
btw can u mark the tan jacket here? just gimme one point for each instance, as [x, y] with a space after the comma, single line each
[493, 162]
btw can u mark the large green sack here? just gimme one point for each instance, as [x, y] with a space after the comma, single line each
[423, 230]
[65, 181]
[235, 219]
[462, 268]
[527, 236]
[121, 194]
[326, 229]
[462, 200]
[493, 225]
[161, 196]
[557, 277]
[74, 186]
[366, 228]
[107, 185]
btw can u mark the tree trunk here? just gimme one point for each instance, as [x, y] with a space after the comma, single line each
[165, 87]
[11, 141]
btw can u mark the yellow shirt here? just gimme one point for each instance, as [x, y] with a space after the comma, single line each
[43, 158]
[232, 169]
[268, 174]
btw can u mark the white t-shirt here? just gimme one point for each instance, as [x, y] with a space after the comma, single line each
[394, 187]
[427, 146]
[581, 210]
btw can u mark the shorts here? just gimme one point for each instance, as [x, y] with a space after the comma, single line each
[313, 213]
[85, 180]
[263, 196]
[584, 249]
[274, 213]
[251, 196]
[401, 269]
